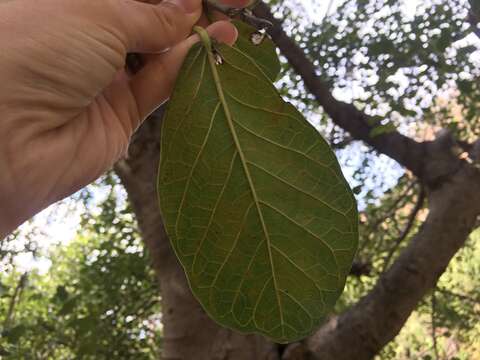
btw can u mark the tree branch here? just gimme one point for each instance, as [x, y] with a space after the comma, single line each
[15, 300]
[471, 300]
[474, 17]
[399, 202]
[406, 151]
[378, 317]
[360, 268]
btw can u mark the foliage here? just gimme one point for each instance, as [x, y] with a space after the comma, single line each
[403, 65]
[98, 300]
[400, 60]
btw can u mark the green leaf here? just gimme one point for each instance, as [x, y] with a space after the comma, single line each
[264, 54]
[253, 199]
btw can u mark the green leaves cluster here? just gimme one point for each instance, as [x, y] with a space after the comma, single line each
[395, 61]
[369, 42]
[252, 197]
[99, 299]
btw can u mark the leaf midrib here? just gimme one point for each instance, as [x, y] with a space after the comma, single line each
[229, 118]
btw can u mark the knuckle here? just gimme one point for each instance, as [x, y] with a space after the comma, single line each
[171, 22]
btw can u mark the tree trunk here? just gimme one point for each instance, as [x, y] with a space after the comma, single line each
[362, 331]
[453, 186]
[188, 332]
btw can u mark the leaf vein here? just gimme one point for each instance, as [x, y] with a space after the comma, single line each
[229, 118]
[243, 279]
[214, 210]
[299, 304]
[296, 188]
[187, 186]
[299, 269]
[195, 94]
[305, 229]
[234, 245]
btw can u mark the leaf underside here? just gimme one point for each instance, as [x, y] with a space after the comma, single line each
[263, 54]
[253, 199]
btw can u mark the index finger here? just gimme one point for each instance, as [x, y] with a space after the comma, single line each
[232, 3]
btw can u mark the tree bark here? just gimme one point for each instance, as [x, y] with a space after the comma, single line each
[362, 331]
[188, 332]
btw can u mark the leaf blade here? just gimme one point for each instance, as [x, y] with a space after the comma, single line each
[263, 54]
[256, 173]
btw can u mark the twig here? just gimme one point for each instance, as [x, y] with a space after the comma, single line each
[389, 212]
[15, 300]
[460, 296]
[360, 268]
[434, 326]
[406, 231]
[135, 62]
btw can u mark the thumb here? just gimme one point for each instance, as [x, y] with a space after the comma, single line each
[148, 28]
[152, 85]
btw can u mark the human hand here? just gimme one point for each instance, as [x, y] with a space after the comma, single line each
[68, 107]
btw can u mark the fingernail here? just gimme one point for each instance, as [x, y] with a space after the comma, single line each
[235, 31]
